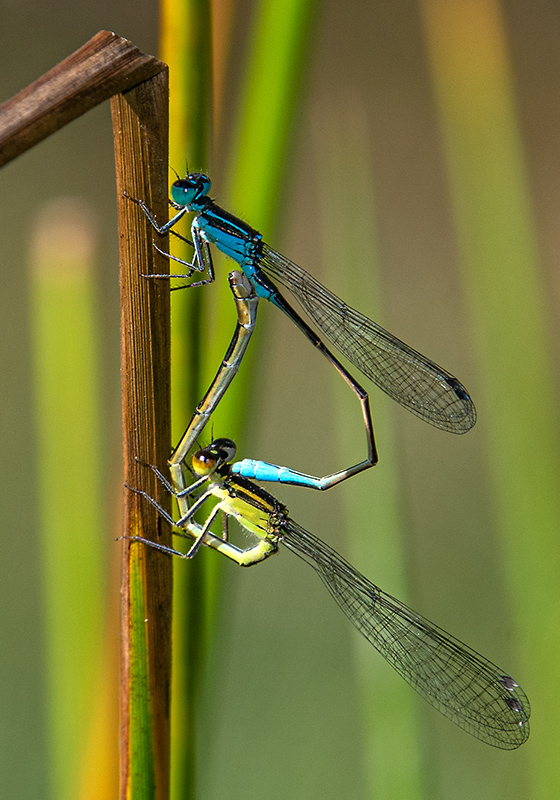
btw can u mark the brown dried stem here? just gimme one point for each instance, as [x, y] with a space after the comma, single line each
[109, 66]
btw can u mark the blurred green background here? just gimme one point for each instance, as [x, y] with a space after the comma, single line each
[421, 185]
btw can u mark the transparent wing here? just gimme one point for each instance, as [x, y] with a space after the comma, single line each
[472, 691]
[408, 377]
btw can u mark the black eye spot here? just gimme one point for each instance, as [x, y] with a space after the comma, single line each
[514, 704]
[507, 682]
[458, 388]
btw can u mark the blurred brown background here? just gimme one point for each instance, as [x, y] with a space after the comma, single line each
[286, 717]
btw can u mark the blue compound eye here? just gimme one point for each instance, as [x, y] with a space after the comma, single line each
[189, 190]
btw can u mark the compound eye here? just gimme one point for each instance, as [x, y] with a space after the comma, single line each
[183, 191]
[204, 462]
[203, 182]
[219, 452]
[225, 449]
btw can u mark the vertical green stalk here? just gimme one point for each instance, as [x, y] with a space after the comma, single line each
[373, 518]
[502, 274]
[260, 152]
[263, 133]
[187, 48]
[258, 159]
[65, 344]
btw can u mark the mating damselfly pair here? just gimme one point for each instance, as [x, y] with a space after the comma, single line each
[470, 690]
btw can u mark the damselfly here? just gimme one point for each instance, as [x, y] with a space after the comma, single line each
[471, 691]
[413, 380]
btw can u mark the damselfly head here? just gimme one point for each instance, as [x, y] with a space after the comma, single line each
[207, 460]
[188, 191]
